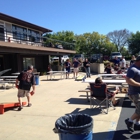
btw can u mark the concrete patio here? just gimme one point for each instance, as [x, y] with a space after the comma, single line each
[53, 99]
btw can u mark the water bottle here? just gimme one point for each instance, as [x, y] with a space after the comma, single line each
[84, 78]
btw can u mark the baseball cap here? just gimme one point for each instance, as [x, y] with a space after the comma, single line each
[138, 58]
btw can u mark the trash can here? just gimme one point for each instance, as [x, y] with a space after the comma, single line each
[74, 127]
[37, 79]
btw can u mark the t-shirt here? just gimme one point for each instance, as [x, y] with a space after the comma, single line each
[26, 80]
[67, 64]
[75, 64]
[134, 73]
[85, 64]
[123, 63]
[116, 61]
[108, 70]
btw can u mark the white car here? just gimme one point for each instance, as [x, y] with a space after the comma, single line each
[115, 54]
[64, 58]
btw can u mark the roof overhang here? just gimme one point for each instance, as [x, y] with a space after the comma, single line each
[7, 47]
[17, 21]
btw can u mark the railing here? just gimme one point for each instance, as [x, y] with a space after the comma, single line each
[19, 38]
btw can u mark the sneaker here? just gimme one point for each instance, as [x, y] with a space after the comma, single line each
[129, 125]
[29, 105]
[20, 108]
[136, 127]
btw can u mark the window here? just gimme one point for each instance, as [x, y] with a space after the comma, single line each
[34, 36]
[28, 61]
[19, 32]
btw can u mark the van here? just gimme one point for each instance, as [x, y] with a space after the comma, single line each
[115, 54]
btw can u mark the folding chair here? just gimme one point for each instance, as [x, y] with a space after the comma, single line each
[99, 95]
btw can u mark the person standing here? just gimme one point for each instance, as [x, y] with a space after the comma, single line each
[123, 63]
[76, 65]
[24, 81]
[86, 64]
[133, 80]
[132, 60]
[67, 65]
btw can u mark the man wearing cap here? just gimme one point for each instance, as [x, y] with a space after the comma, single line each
[133, 80]
[24, 82]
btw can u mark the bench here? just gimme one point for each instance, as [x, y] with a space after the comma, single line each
[87, 90]
[8, 105]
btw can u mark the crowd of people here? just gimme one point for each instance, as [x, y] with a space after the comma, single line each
[26, 80]
[76, 64]
[118, 66]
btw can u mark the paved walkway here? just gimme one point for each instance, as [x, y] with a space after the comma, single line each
[53, 99]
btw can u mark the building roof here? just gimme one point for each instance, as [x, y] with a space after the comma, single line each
[23, 23]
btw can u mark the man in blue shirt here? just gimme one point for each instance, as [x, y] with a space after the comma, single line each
[67, 65]
[133, 80]
[76, 65]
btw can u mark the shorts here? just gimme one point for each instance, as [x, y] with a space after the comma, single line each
[76, 69]
[110, 94]
[68, 70]
[135, 99]
[23, 93]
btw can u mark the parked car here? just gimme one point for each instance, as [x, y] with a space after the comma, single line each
[64, 58]
[96, 58]
[115, 54]
[79, 57]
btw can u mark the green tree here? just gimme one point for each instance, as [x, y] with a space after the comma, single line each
[65, 38]
[134, 43]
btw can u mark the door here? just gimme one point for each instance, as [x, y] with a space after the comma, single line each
[1, 63]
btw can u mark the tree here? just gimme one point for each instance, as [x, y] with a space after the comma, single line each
[64, 38]
[119, 38]
[94, 43]
[134, 43]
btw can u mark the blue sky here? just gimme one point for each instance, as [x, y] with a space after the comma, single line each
[79, 16]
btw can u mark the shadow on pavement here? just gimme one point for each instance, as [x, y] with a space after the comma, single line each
[77, 101]
[52, 80]
[90, 112]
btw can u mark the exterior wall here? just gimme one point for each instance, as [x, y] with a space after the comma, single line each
[42, 62]
[8, 34]
[9, 30]
[15, 62]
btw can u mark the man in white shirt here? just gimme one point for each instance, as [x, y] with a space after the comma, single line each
[123, 63]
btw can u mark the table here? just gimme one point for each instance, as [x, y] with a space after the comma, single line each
[8, 80]
[87, 90]
[53, 73]
[112, 81]
[16, 73]
[112, 75]
[8, 77]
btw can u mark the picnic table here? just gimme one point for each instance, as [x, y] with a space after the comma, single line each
[53, 73]
[6, 80]
[113, 75]
[112, 81]
[16, 73]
